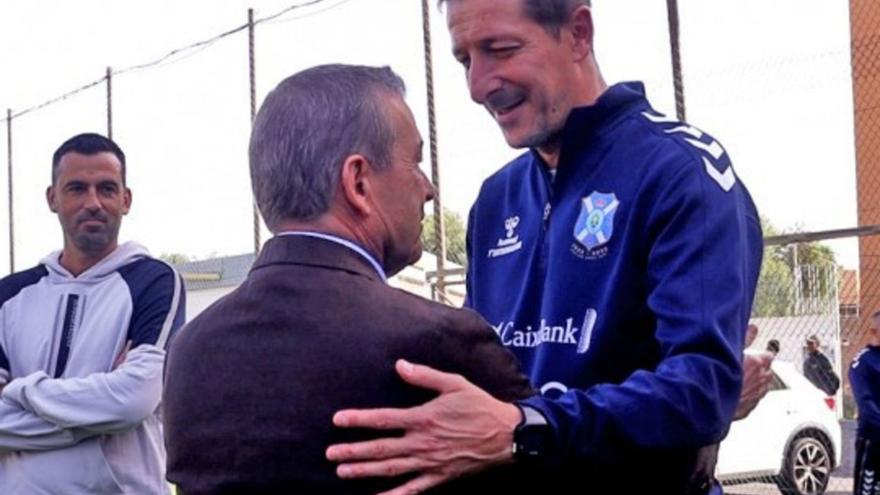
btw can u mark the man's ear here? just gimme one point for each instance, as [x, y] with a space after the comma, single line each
[354, 184]
[126, 200]
[51, 200]
[579, 31]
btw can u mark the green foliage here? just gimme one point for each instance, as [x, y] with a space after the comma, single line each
[775, 293]
[456, 250]
[792, 274]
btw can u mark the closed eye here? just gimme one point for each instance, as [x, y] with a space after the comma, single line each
[503, 51]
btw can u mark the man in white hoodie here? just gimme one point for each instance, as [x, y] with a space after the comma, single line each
[82, 343]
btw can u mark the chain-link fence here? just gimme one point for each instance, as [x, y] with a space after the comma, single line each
[797, 440]
[805, 290]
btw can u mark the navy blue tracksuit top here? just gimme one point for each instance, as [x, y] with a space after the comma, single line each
[624, 285]
[864, 377]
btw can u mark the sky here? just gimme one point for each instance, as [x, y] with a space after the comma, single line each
[770, 80]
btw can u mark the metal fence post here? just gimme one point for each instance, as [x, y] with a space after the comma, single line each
[675, 48]
[253, 95]
[439, 222]
[109, 78]
[9, 178]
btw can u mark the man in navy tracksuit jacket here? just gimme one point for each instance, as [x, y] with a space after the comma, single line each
[623, 294]
[617, 258]
[864, 377]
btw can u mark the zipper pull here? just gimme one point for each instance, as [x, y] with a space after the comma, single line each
[547, 209]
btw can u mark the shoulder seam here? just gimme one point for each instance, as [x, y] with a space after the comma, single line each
[23, 275]
[708, 157]
[173, 308]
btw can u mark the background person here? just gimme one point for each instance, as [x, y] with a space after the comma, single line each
[864, 377]
[82, 343]
[818, 368]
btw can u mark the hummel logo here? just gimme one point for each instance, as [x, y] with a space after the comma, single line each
[510, 242]
[725, 180]
[868, 482]
[511, 224]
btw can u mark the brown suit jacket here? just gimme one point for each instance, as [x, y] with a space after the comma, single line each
[253, 382]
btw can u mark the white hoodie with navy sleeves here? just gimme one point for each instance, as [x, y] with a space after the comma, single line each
[72, 419]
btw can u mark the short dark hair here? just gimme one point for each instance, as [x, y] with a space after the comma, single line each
[306, 128]
[87, 143]
[549, 14]
[773, 345]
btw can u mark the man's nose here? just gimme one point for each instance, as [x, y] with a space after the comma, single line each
[430, 192]
[93, 203]
[482, 80]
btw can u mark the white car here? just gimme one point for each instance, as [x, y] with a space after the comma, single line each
[792, 438]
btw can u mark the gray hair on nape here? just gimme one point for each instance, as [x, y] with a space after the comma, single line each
[306, 128]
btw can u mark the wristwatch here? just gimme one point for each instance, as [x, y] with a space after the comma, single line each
[533, 436]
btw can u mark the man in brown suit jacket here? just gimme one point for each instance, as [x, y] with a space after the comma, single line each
[253, 382]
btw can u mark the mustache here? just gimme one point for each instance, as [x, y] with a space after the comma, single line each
[85, 217]
[504, 98]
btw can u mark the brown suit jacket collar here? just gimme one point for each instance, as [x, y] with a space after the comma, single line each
[313, 251]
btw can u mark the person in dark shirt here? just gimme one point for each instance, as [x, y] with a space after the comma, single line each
[864, 377]
[818, 369]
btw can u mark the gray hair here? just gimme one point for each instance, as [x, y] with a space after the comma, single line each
[549, 14]
[306, 128]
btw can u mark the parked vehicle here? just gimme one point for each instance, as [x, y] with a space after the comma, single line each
[792, 438]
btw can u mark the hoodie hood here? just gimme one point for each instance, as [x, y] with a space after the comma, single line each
[123, 254]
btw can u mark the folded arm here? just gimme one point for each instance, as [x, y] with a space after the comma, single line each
[98, 403]
[24, 430]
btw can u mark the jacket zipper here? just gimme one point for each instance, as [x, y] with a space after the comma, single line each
[545, 220]
[66, 334]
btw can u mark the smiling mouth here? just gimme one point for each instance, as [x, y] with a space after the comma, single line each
[504, 101]
[500, 112]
